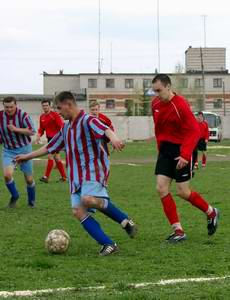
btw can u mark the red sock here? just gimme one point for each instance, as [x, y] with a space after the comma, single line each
[196, 200]
[204, 158]
[170, 209]
[49, 167]
[61, 168]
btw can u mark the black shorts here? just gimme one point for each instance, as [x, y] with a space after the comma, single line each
[49, 139]
[202, 146]
[166, 163]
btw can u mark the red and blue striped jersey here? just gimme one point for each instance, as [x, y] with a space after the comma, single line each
[13, 140]
[83, 141]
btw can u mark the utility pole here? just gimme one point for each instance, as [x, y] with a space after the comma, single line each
[203, 80]
[204, 28]
[158, 36]
[223, 84]
[99, 36]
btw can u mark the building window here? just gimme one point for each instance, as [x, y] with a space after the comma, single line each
[129, 83]
[92, 83]
[147, 83]
[217, 82]
[110, 104]
[217, 103]
[183, 82]
[109, 83]
[198, 82]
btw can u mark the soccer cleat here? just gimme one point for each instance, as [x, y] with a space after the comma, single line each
[12, 203]
[44, 179]
[213, 222]
[131, 228]
[31, 204]
[176, 238]
[62, 179]
[196, 166]
[108, 249]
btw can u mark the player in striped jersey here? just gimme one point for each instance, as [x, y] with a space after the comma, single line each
[88, 169]
[16, 129]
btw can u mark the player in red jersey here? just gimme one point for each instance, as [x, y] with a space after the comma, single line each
[94, 108]
[203, 141]
[95, 111]
[177, 133]
[51, 123]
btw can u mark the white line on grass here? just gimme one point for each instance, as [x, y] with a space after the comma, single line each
[28, 293]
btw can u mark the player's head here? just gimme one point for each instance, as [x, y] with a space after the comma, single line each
[10, 105]
[46, 106]
[162, 86]
[66, 104]
[94, 108]
[200, 116]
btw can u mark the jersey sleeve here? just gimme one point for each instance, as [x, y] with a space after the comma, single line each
[191, 131]
[56, 144]
[41, 130]
[28, 123]
[58, 119]
[206, 132]
[97, 127]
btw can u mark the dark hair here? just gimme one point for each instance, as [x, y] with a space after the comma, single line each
[200, 113]
[9, 100]
[63, 96]
[163, 78]
[46, 101]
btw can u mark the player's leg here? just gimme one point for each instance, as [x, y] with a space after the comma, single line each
[169, 207]
[195, 158]
[49, 167]
[92, 226]
[8, 171]
[204, 159]
[95, 195]
[184, 191]
[60, 166]
[27, 169]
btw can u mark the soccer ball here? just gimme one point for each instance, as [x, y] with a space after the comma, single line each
[57, 241]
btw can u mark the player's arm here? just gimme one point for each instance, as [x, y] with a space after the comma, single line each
[25, 131]
[116, 142]
[37, 153]
[40, 133]
[207, 133]
[100, 130]
[191, 134]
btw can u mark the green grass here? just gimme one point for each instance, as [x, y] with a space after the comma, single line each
[25, 264]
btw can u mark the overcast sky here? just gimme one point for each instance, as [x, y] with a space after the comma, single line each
[49, 35]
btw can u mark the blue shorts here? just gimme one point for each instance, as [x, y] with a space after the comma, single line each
[8, 156]
[88, 188]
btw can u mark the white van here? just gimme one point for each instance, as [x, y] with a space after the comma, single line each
[214, 125]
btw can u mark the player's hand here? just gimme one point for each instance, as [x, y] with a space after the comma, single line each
[20, 158]
[206, 141]
[181, 162]
[38, 139]
[117, 144]
[12, 128]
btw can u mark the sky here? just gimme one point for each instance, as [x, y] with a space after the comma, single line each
[53, 35]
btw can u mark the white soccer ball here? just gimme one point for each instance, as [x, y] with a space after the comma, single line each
[57, 241]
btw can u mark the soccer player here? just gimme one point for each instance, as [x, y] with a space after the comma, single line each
[88, 168]
[177, 133]
[203, 141]
[95, 111]
[16, 129]
[51, 123]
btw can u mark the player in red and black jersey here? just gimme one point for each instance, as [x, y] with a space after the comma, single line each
[203, 141]
[50, 122]
[177, 133]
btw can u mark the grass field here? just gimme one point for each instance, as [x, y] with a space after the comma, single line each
[25, 264]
